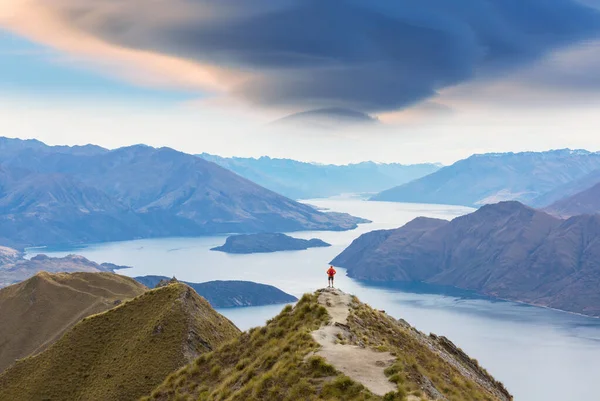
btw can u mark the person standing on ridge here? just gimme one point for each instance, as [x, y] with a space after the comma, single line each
[330, 273]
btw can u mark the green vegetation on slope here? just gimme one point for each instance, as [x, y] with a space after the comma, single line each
[426, 366]
[277, 362]
[36, 312]
[123, 353]
[268, 363]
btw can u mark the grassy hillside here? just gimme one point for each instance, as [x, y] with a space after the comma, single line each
[36, 312]
[123, 353]
[278, 362]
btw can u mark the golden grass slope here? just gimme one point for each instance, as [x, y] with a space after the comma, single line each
[37, 311]
[278, 362]
[123, 353]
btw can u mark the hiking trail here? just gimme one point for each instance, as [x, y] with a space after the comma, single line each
[362, 365]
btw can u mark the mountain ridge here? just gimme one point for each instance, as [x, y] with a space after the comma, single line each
[36, 312]
[494, 177]
[303, 180]
[100, 195]
[94, 359]
[331, 346]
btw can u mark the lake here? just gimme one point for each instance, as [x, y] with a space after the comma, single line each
[540, 354]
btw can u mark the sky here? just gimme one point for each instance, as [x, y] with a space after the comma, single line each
[446, 79]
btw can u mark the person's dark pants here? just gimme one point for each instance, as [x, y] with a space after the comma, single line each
[330, 281]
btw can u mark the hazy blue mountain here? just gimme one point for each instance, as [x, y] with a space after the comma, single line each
[51, 196]
[299, 180]
[567, 190]
[266, 243]
[584, 202]
[505, 250]
[494, 177]
[228, 294]
[16, 268]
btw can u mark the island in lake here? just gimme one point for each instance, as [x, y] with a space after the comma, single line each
[228, 294]
[267, 242]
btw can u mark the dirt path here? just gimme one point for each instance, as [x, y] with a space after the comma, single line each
[360, 364]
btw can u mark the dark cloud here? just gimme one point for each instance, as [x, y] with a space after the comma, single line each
[366, 55]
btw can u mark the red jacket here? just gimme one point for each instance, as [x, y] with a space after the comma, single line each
[331, 272]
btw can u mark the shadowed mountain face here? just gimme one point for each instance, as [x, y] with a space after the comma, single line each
[299, 180]
[229, 294]
[37, 312]
[490, 178]
[505, 250]
[267, 242]
[567, 190]
[584, 202]
[123, 353]
[58, 196]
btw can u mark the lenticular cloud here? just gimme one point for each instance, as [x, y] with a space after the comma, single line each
[367, 55]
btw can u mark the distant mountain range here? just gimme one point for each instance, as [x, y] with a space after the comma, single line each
[68, 195]
[300, 180]
[505, 250]
[229, 294]
[534, 178]
[267, 242]
[17, 268]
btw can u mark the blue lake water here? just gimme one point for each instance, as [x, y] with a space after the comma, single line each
[540, 354]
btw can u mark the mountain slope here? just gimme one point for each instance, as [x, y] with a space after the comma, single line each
[299, 180]
[332, 347]
[584, 202]
[61, 195]
[55, 208]
[506, 250]
[123, 353]
[494, 177]
[566, 190]
[38, 311]
[229, 294]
